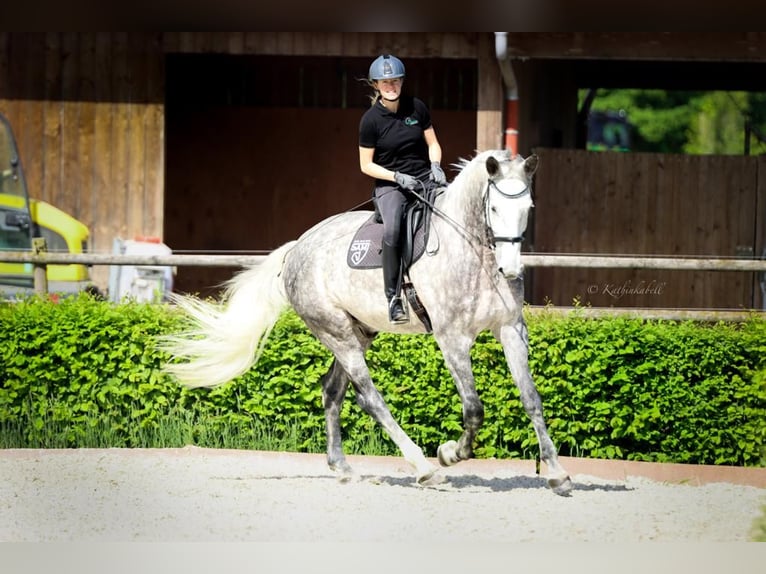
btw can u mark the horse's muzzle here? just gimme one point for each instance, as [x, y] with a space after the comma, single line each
[512, 273]
[508, 257]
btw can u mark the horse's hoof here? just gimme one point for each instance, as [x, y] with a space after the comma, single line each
[427, 475]
[344, 471]
[561, 486]
[431, 478]
[447, 453]
[434, 479]
[346, 477]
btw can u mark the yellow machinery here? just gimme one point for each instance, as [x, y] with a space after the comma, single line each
[21, 219]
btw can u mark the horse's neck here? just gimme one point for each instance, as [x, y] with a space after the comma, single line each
[462, 202]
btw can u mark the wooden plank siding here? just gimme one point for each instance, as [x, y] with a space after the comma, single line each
[655, 46]
[759, 281]
[646, 204]
[356, 44]
[88, 110]
[90, 114]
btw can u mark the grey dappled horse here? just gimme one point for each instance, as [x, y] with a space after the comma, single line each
[469, 281]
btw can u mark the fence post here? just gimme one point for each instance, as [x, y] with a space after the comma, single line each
[40, 246]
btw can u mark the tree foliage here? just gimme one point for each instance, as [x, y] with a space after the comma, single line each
[690, 122]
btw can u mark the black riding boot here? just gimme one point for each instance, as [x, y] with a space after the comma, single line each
[391, 265]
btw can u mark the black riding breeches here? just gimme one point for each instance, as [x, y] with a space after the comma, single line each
[391, 202]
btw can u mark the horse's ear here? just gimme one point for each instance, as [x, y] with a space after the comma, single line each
[493, 167]
[530, 165]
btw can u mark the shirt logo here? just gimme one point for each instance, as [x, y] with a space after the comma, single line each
[410, 121]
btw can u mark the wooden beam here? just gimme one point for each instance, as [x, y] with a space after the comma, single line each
[489, 116]
[658, 46]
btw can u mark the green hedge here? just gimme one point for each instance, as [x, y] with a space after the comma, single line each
[87, 373]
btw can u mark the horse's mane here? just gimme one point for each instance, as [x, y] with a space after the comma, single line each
[500, 155]
[467, 168]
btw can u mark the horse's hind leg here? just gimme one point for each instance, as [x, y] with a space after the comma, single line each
[334, 386]
[515, 346]
[371, 402]
[349, 353]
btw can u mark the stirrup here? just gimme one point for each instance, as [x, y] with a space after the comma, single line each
[399, 318]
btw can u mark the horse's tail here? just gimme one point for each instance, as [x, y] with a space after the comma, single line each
[225, 340]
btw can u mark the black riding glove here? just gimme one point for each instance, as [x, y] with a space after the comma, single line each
[406, 181]
[437, 174]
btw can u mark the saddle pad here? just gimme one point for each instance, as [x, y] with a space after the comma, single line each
[365, 251]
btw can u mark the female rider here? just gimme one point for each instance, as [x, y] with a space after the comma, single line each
[399, 149]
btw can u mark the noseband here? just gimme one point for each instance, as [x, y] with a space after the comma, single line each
[493, 239]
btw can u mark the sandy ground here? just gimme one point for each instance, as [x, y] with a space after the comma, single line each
[194, 494]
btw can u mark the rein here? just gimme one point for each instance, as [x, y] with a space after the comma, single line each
[492, 239]
[432, 206]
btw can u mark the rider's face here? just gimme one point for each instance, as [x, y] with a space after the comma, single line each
[390, 89]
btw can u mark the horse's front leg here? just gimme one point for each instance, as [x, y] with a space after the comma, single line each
[457, 357]
[515, 343]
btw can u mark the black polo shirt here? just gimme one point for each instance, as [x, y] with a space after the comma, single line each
[398, 137]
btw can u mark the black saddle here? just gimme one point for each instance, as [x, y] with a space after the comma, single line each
[366, 248]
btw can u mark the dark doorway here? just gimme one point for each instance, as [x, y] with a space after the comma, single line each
[260, 148]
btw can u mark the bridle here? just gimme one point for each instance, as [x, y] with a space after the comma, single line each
[493, 239]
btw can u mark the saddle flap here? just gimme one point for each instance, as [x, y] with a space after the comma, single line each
[366, 247]
[414, 219]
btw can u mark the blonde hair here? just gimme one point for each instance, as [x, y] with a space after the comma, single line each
[375, 96]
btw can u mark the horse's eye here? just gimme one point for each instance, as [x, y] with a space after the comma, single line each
[493, 209]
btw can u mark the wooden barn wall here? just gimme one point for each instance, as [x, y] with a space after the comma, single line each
[275, 137]
[89, 113]
[759, 249]
[404, 44]
[88, 110]
[654, 204]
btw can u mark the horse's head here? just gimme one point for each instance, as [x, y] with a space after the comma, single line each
[507, 201]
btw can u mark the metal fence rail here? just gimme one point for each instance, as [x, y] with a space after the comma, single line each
[175, 260]
[40, 260]
[529, 259]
